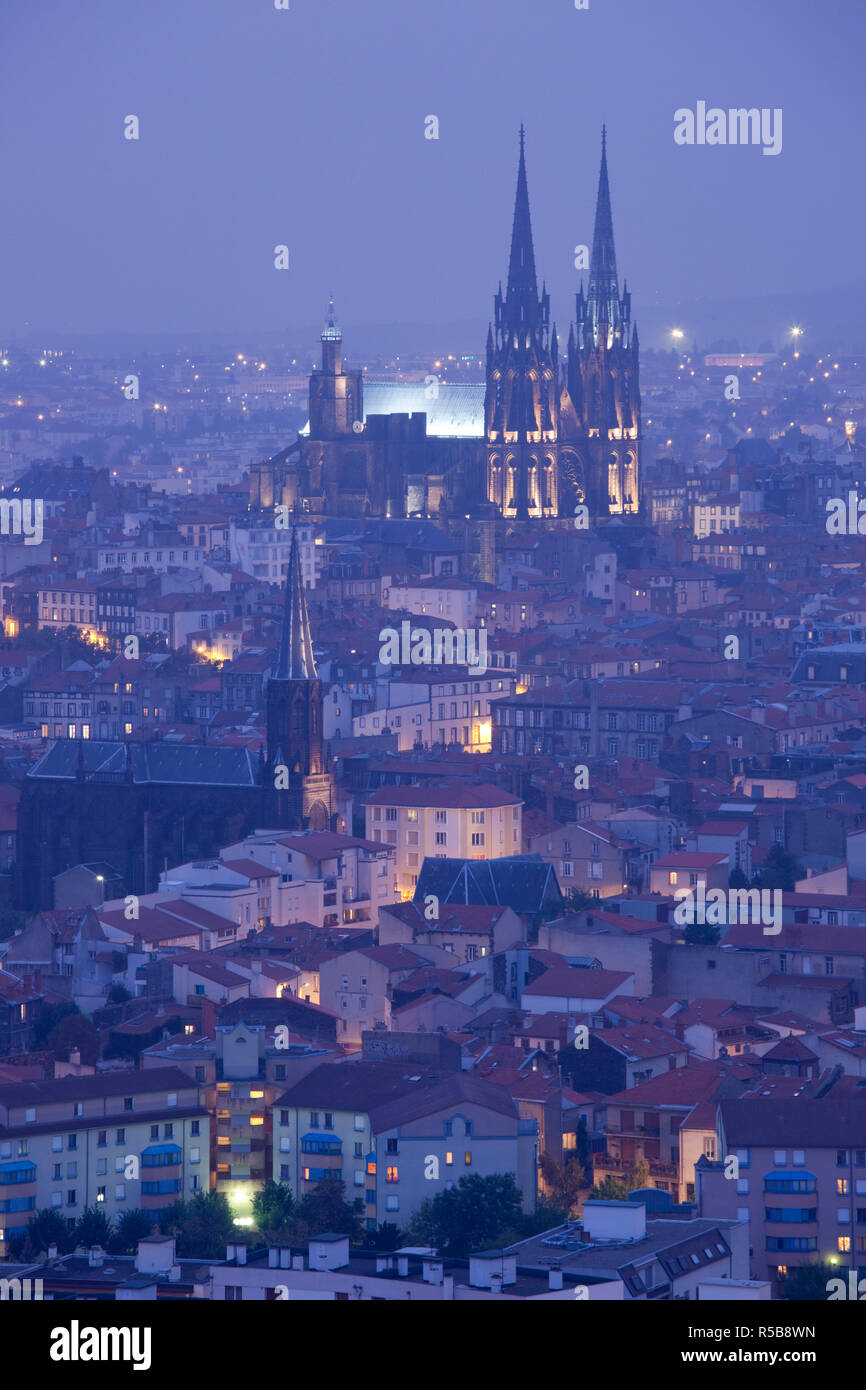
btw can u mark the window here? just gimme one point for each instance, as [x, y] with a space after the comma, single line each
[791, 1214]
[392, 1174]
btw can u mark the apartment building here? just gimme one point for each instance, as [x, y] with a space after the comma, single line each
[120, 1141]
[71, 604]
[428, 710]
[612, 718]
[152, 550]
[260, 548]
[397, 1134]
[469, 932]
[454, 599]
[457, 821]
[273, 879]
[359, 985]
[589, 858]
[799, 1179]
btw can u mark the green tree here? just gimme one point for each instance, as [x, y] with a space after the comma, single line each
[205, 1226]
[75, 1033]
[564, 1181]
[46, 1227]
[386, 1236]
[50, 1017]
[118, 994]
[781, 870]
[93, 1227]
[638, 1175]
[274, 1207]
[471, 1216]
[808, 1283]
[324, 1209]
[737, 879]
[131, 1227]
[582, 1141]
[701, 934]
[610, 1190]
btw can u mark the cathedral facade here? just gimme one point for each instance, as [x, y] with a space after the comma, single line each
[538, 436]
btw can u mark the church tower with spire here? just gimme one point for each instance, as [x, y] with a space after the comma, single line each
[336, 395]
[303, 789]
[602, 408]
[521, 405]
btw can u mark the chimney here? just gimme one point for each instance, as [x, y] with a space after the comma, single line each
[95, 1257]
[554, 1279]
[52, 1252]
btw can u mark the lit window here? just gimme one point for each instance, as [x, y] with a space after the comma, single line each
[392, 1174]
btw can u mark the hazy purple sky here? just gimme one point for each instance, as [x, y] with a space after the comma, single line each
[306, 127]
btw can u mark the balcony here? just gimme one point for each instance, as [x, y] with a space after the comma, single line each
[644, 1130]
[624, 1165]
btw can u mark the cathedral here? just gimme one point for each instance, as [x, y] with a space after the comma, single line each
[540, 435]
[140, 806]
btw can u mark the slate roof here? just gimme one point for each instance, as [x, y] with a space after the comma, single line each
[761, 1121]
[166, 764]
[523, 882]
